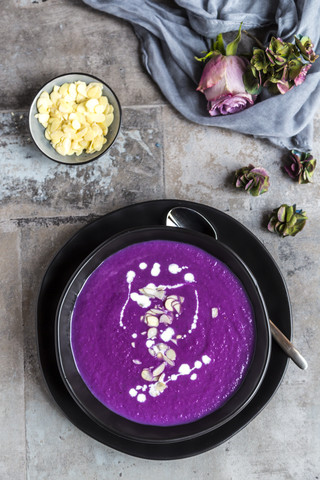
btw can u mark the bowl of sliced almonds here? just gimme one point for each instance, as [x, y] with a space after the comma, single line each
[74, 118]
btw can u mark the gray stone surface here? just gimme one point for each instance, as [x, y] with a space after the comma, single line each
[12, 406]
[158, 154]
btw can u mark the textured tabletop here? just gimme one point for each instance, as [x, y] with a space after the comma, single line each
[157, 155]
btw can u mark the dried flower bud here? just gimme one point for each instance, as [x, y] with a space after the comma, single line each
[254, 180]
[302, 166]
[305, 46]
[287, 220]
[280, 66]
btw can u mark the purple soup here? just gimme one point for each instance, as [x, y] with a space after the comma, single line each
[162, 333]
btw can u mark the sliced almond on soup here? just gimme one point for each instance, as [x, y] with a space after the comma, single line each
[147, 375]
[167, 319]
[171, 354]
[176, 305]
[159, 370]
[160, 387]
[148, 291]
[169, 362]
[152, 320]
[160, 293]
[153, 292]
[155, 311]
[168, 303]
[152, 332]
[173, 303]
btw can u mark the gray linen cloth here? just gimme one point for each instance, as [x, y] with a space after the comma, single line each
[173, 33]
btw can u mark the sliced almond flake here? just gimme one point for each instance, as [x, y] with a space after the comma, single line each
[152, 352]
[152, 321]
[152, 332]
[161, 378]
[168, 304]
[147, 375]
[160, 387]
[166, 319]
[176, 306]
[160, 294]
[155, 311]
[171, 354]
[162, 347]
[169, 362]
[153, 292]
[214, 312]
[174, 341]
[137, 362]
[157, 371]
[148, 291]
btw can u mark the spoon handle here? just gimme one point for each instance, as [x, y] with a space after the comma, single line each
[287, 346]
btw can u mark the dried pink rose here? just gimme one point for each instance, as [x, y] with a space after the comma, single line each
[222, 84]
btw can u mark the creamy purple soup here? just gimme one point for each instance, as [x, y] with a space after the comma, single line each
[162, 333]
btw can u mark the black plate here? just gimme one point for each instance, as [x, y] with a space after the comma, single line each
[230, 232]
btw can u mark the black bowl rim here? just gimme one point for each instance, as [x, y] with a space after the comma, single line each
[100, 154]
[152, 438]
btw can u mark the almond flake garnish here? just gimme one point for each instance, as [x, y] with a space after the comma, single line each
[173, 303]
[147, 375]
[153, 292]
[176, 306]
[157, 388]
[167, 319]
[168, 303]
[152, 332]
[160, 387]
[214, 312]
[171, 354]
[155, 311]
[157, 371]
[151, 320]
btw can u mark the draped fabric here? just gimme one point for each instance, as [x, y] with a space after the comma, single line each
[171, 34]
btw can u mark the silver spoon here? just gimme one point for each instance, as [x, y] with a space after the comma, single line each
[185, 217]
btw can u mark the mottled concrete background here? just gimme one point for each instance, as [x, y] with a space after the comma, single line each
[158, 154]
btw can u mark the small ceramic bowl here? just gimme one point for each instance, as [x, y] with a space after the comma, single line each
[37, 131]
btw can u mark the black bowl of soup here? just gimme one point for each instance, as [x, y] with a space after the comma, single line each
[162, 335]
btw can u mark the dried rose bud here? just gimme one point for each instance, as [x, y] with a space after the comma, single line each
[302, 166]
[287, 220]
[254, 180]
[222, 78]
